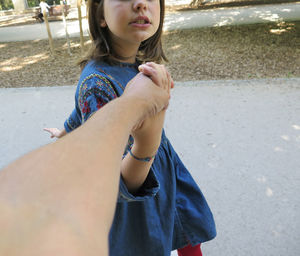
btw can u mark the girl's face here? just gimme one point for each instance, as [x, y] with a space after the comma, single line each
[130, 22]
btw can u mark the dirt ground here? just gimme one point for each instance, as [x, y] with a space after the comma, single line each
[236, 52]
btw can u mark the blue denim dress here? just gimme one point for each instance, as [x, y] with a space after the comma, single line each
[169, 210]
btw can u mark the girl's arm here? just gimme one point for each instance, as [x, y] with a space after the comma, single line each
[146, 143]
[70, 124]
[147, 138]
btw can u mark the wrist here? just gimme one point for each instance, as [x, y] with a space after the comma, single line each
[144, 151]
[136, 107]
[62, 133]
[142, 159]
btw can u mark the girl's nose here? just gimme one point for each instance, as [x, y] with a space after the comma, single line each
[140, 5]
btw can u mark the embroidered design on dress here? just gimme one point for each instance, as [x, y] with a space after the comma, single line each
[109, 76]
[103, 90]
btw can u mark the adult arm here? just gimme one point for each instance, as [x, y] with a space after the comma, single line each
[60, 199]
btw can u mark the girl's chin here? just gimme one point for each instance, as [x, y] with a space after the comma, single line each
[142, 38]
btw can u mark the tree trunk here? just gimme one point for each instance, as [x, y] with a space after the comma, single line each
[80, 25]
[20, 5]
[49, 33]
[65, 25]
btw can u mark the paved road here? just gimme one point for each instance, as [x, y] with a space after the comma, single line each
[177, 20]
[240, 140]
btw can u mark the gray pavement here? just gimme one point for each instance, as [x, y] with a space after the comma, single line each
[177, 20]
[240, 140]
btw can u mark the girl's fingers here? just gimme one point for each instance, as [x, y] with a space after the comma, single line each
[168, 77]
[151, 72]
[158, 74]
[146, 70]
[165, 79]
[52, 131]
[169, 81]
[151, 64]
[48, 130]
[172, 81]
[141, 67]
[172, 84]
[161, 73]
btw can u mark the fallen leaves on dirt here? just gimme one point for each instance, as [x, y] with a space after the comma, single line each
[237, 52]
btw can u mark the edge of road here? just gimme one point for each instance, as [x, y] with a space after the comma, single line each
[242, 82]
[293, 81]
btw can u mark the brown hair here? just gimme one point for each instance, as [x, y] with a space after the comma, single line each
[149, 50]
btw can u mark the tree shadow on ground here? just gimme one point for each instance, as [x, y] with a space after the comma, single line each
[206, 5]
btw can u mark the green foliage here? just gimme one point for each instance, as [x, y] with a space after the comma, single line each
[53, 2]
[33, 3]
[6, 5]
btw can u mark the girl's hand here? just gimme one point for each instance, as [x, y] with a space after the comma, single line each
[55, 132]
[158, 74]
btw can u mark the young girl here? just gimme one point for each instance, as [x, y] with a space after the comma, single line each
[160, 207]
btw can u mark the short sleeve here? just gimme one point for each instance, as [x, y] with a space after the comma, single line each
[73, 121]
[93, 93]
[149, 189]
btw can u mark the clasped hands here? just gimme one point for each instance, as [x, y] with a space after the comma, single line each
[147, 132]
[151, 87]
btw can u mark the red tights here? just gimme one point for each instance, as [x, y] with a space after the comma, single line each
[190, 250]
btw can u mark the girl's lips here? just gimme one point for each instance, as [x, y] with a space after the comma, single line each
[139, 25]
[145, 19]
[141, 22]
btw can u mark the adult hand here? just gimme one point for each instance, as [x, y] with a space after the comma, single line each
[158, 74]
[154, 98]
